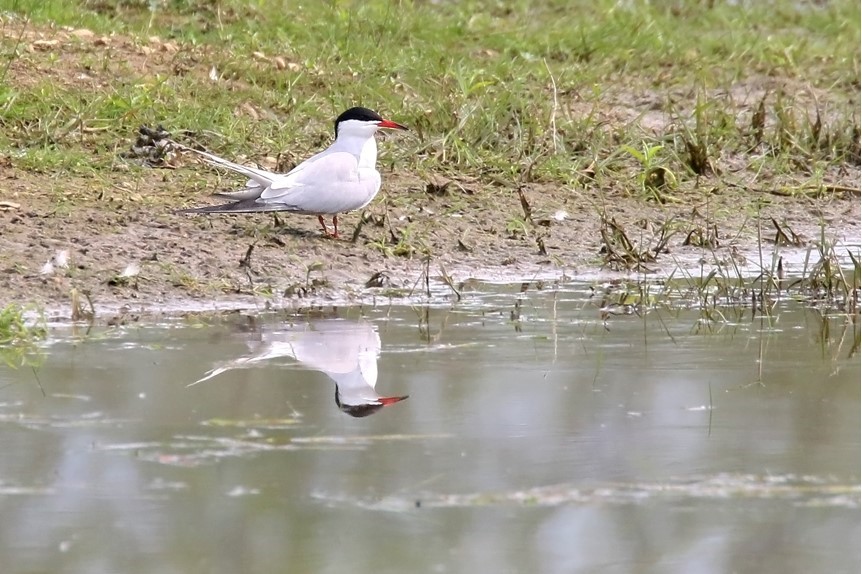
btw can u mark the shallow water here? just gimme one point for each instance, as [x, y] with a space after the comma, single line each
[539, 436]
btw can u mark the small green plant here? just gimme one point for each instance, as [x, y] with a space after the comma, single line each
[654, 177]
[710, 123]
[517, 227]
[19, 337]
[403, 242]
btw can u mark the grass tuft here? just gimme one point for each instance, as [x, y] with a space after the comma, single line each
[20, 336]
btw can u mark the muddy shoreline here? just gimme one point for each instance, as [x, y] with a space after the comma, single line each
[127, 253]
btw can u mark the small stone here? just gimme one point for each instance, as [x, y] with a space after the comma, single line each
[83, 33]
[44, 45]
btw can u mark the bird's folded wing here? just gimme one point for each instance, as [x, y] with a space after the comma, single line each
[316, 172]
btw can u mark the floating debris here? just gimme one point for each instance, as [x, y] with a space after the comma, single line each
[242, 491]
[800, 490]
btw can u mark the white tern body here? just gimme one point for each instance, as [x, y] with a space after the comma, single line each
[341, 178]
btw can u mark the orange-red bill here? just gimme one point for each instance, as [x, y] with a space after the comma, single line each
[385, 401]
[391, 125]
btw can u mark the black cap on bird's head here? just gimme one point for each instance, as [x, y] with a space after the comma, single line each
[365, 408]
[361, 114]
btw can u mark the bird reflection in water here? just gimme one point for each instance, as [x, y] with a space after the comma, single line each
[345, 351]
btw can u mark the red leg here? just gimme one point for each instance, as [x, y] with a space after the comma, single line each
[335, 225]
[323, 223]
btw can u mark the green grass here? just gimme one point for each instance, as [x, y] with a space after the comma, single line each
[481, 83]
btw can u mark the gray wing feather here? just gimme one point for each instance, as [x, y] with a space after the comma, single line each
[250, 192]
[252, 205]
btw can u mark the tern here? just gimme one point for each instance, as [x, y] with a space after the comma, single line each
[341, 178]
[345, 351]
